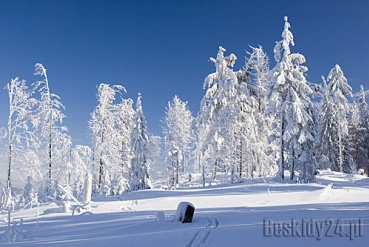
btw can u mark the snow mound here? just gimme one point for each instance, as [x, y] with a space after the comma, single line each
[159, 216]
[326, 190]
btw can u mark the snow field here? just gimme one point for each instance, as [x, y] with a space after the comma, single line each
[225, 215]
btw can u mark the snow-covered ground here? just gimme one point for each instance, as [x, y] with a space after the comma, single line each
[257, 212]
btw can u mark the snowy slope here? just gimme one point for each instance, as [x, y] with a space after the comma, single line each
[227, 215]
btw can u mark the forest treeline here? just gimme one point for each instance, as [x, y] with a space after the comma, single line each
[255, 122]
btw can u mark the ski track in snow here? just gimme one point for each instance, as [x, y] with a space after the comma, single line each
[201, 236]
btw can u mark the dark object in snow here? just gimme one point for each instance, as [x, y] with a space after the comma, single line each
[184, 213]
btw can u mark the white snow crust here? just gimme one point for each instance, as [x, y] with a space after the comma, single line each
[226, 215]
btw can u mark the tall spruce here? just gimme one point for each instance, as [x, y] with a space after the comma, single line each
[339, 88]
[124, 124]
[140, 165]
[106, 126]
[178, 136]
[363, 150]
[256, 75]
[213, 122]
[289, 92]
[327, 141]
[355, 139]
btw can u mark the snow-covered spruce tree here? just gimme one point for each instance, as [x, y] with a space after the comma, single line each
[77, 168]
[202, 153]
[226, 123]
[178, 135]
[288, 94]
[241, 124]
[363, 150]
[47, 121]
[210, 123]
[18, 130]
[256, 75]
[154, 149]
[355, 138]
[101, 125]
[363, 108]
[30, 193]
[124, 121]
[140, 165]
[339, 87]
[107, 126]
[327, 143]
[241, 133]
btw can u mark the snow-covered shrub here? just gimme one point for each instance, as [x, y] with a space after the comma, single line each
[118, 185]
[29, 193]
[106, 186]
[64, 200]
[87, 191]
[159, 216]
[7, 200]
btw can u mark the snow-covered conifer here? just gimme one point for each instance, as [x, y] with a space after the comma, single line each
[339, 87]
[362, 159]
[30, 193]
[288, 94]
[327, 143]
[124, 124]
[139, 173]
[355, 139]
[154, 149]
[178, 136]
[110, 124]
[76, 169]
[257, 73]
[227, 122]
[106, 184]
[363, 108]
[215, 142]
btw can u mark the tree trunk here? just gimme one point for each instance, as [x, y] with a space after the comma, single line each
[253, 165]
[339, 143]
[177, 172]
[281, 161]
[215, 169]
[202, 170]
[49, 176]
[101, 172]
[241, 159]
[292, 172]
[8, 184]
[100, 159]
[10, 133]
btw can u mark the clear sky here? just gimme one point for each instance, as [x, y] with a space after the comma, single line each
[161, 48]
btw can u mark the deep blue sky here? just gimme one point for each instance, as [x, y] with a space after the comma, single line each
[162, 48]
